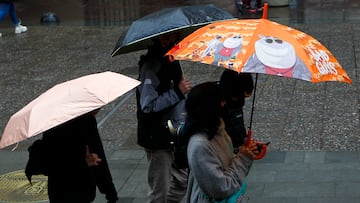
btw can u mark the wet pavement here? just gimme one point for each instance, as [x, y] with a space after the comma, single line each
[313, 128]
[292, 114]
[123, 12]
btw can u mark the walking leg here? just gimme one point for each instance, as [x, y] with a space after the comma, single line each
[4, 8]
[12, 14]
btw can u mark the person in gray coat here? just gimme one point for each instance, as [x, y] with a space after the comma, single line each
[215, 172]
[161, 97]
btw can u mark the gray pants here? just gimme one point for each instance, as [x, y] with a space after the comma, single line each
[166, 183]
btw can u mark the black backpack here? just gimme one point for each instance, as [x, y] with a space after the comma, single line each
[39, 158]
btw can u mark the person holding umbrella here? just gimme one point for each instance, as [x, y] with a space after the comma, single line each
[75, 162]
[235, 87]
[161, 97]
[7, 6]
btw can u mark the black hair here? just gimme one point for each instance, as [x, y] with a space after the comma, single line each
[203, 107]
[153, 51]
[235, 84]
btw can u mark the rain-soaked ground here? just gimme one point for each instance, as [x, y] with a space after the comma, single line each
[49, 55]
[123, 12]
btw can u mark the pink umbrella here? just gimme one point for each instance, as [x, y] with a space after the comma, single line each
[64, 102]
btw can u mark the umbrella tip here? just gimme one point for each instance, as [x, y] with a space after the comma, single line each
[265, 10]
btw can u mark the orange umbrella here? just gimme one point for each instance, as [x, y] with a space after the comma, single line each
[64, 102]
[261, 46]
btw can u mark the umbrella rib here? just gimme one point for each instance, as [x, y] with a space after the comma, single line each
[120, 103]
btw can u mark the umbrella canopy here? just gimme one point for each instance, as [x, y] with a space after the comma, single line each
[261, 46]
[184, 19]
[64, 102]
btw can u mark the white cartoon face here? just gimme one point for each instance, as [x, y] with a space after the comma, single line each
[274, 52]
[232, 42]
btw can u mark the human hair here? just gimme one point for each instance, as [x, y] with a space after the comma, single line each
[235, 85]
[203, 108]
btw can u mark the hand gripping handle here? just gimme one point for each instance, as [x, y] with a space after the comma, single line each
[262, 147]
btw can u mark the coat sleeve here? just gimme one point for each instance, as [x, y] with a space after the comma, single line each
[103, 178]
[150, 100]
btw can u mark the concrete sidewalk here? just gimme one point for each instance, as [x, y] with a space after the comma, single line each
[288, 177]
[281, 177]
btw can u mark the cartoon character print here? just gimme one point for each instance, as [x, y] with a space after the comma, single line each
[223, 51]
[229, 49]
[213, 46]
[276, 57]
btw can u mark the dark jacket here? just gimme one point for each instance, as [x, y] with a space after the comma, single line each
[158, 100]
[69, 177]
[234, 125]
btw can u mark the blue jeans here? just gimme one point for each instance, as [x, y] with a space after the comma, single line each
[9, 7]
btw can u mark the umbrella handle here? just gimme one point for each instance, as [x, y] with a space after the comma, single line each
[262, 147]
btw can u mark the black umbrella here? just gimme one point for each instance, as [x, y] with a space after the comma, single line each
[185, 20]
